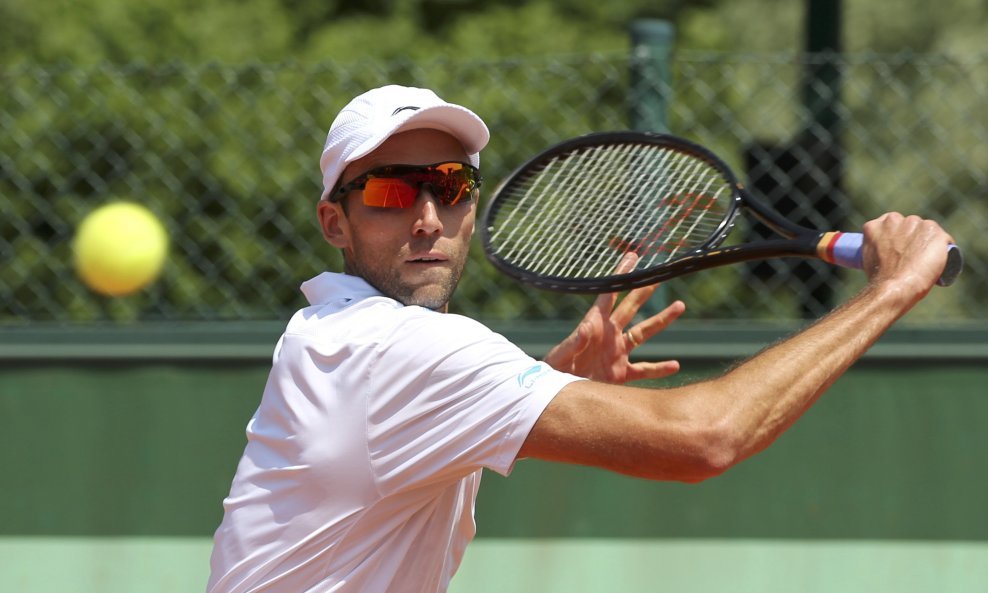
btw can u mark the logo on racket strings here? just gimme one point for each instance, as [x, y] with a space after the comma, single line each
[679, 215]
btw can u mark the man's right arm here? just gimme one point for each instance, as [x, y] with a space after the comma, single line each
[697, 431]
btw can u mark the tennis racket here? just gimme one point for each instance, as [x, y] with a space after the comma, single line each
[563, 220]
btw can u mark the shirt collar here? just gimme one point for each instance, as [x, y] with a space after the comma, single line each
[331, 287]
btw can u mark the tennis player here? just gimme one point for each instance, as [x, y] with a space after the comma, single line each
[364, 457]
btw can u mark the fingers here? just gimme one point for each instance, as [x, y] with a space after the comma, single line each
[562, 356]
[908, 250]
[635, 299]
[603, 305]
[605, 302]
[627, 263]
[643, 331]
[893, 227]
[640, 371]
[598, 348]
[631, 304]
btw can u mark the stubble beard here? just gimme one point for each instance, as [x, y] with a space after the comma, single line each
[387, 280]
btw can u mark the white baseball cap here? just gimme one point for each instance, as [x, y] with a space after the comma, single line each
[373, 117]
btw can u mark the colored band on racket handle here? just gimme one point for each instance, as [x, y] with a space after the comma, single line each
[844, 249]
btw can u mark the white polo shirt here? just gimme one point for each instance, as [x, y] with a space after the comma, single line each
[364, 457]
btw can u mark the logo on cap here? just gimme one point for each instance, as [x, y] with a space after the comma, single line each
[400, 109]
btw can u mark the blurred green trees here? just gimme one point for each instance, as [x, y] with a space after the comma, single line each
[213, 113]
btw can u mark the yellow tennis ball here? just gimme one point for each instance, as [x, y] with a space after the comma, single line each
[119, 248]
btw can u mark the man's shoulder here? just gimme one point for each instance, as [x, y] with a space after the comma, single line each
[381, 319]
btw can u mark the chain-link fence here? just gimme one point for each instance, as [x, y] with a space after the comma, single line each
[227, 156]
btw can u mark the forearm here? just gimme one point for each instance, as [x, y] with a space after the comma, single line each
[696, 431]
[761, 398]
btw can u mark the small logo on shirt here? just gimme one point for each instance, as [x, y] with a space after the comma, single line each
[528, 378]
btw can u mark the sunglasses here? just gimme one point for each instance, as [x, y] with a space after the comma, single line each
[397, 186]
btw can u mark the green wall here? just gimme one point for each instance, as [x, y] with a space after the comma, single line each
[107, 458]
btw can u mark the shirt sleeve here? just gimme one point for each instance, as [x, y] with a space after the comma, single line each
[449, 396]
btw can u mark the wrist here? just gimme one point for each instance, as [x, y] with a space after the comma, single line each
[891, 296]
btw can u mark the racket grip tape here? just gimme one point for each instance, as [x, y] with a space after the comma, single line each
[845, 249]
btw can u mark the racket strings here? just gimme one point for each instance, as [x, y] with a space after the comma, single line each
[544, 223]
[601, 176]
[578, 215]
[542, 212]
[688, 199]
[659, 241]
[596, 176]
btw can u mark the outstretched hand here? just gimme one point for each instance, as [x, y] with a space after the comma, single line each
[599, 347]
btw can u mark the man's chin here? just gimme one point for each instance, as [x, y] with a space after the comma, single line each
[432, 297]
[431, 290]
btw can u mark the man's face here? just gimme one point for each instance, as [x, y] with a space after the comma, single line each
[413, 255]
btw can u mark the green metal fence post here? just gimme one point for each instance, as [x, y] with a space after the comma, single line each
[651, 74]
[650, 93]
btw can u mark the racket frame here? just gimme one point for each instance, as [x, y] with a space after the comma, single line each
[796, 241]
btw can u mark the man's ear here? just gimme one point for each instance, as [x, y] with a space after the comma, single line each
[334, 224]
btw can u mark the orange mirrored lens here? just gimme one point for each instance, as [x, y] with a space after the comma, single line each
[389, 192]
[448, 168]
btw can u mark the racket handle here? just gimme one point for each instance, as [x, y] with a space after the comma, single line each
[844, 249]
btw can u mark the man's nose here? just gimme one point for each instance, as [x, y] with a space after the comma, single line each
[427, 219]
